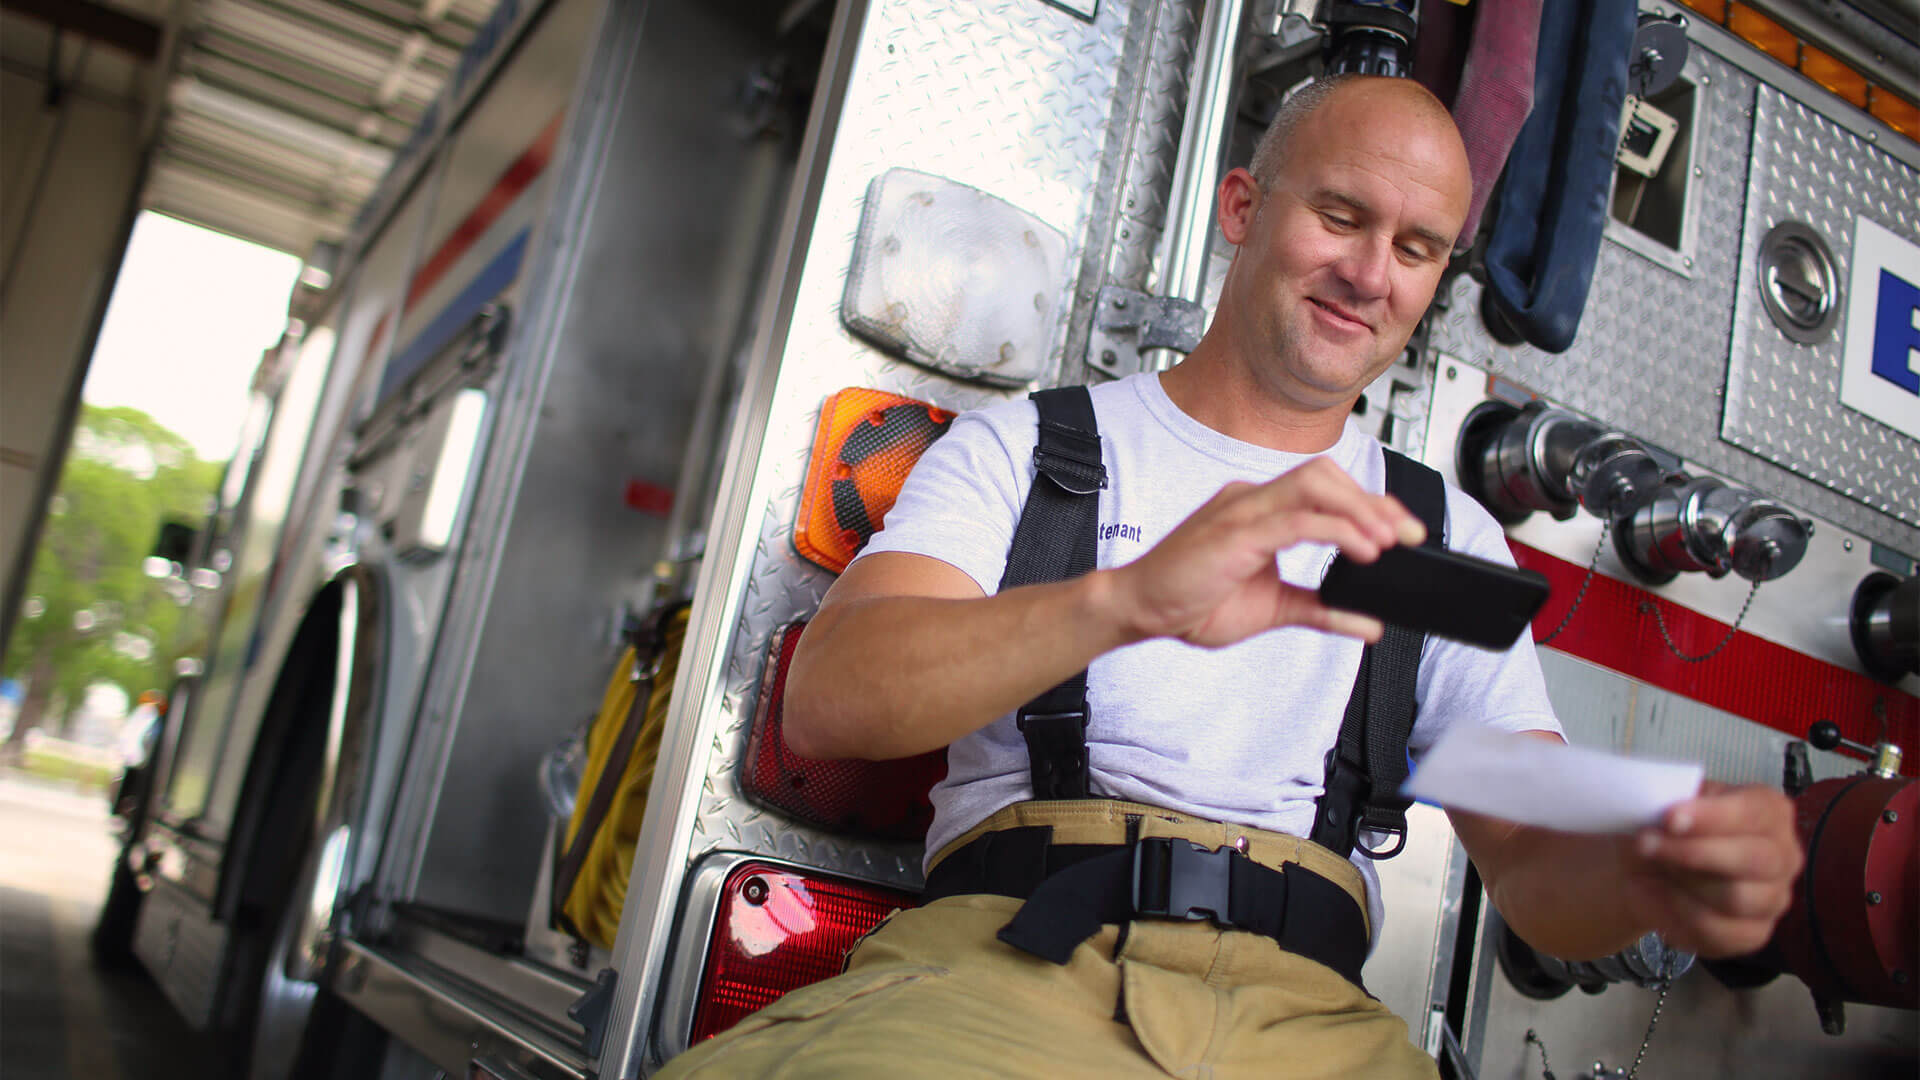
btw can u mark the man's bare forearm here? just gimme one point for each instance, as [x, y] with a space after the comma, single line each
[906, 655]
[1560, 892]
[891, 676]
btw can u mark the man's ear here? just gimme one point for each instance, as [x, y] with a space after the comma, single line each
[1239, 201]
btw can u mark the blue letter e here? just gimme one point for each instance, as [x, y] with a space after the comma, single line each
[1895, 335]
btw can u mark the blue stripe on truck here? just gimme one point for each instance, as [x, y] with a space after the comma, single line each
[490, 282]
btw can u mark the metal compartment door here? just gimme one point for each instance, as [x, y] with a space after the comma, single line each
[618, 328]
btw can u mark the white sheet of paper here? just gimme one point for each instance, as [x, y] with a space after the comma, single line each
[1532, 781]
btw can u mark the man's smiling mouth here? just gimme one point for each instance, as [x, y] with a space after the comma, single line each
[1340, 314]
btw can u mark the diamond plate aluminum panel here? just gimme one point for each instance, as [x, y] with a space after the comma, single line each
[1154, 137]
[1782, 397]
[1143, 135]
[1131, 258]
[1651, 356]
[1016, 98]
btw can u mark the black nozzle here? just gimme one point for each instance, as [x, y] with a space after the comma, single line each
[1369, 39]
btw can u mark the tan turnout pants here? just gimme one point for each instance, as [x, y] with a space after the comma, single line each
[933, 993]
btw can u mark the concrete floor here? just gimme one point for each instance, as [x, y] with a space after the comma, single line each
[61, 1018]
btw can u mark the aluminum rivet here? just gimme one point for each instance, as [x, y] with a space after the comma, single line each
[1847, 544]
[1688, 262]
[1698, 171]
[1890, 816]
[1452, 373]
[1873, 898]
[1107, 359]
[1120, 302]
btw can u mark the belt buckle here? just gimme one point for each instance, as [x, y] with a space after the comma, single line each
[1182, 880]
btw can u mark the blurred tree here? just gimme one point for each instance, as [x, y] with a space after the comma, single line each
[91, 614]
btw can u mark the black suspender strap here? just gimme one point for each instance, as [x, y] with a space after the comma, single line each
[1055, 541]
[1368, 763]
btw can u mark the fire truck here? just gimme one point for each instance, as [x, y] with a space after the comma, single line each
[623, 355]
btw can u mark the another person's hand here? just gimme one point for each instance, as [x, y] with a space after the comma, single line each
[1213, 580]
[1718, 872]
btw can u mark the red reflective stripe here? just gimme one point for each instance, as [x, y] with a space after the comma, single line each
[1752, 677]
[530, 164]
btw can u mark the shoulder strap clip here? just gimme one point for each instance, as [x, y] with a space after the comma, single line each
[1070, 458]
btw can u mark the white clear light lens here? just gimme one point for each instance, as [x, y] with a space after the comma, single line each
[955, 279]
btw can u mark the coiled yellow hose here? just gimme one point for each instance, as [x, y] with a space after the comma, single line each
[600, 890]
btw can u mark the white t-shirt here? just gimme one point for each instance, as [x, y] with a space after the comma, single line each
[1237, 734]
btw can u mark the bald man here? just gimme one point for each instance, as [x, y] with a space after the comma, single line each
[1216, 685]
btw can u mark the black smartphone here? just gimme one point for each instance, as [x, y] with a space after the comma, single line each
[1439, 592]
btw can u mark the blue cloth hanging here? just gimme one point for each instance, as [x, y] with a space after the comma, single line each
[1551, 209]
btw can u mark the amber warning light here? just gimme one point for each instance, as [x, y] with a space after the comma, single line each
[866, 444]
[777, 930]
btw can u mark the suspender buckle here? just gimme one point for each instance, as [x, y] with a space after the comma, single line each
[1056, 752]
[1336, 820]
[1178, 879]
[1070, 458]
[1023, 718]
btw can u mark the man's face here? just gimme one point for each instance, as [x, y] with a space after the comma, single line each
[1340, 255]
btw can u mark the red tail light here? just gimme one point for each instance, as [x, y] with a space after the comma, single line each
[884, 799]
[777, 930]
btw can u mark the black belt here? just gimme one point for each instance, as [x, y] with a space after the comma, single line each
[1072, 889]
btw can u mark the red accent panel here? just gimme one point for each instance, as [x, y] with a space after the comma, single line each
[649, 498]
[1752, 677]
[530, 164]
